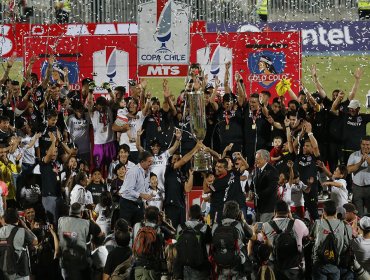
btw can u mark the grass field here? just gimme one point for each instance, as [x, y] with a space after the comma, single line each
[334, 72]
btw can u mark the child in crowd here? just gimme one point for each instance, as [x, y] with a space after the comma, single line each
[104, 212]
[338, 185]
[96, 185]
[158, 195]
[297, 187]
[284, 188]
[277, 151]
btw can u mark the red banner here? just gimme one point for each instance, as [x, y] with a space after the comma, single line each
[262, 58]
[12, 34]
[109, 58]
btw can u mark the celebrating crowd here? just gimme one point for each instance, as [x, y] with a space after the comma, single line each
[94, 186]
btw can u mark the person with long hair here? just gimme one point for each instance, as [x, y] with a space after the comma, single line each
[104, 210]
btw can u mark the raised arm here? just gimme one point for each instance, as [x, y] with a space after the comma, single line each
[357, 75]
[312, 138]
[312, 101]
[292, 95]
[187, 157]
[226, 78]
[212, 99]
[176, 145]
[9, 66]
[337, 101]
[143, 86]
[316, 81]
[167, 97]
[138, 140]
[240, 88]
[46, 79]
[52, 149]
[27, 75]
[291, 172]
[288, 135]
[189, 183]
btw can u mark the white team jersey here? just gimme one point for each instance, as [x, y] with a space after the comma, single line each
[297, 194]
[135, 124]
[102, 133]
[159, 167]
[29, 156]
[79, 131]
[339, 194]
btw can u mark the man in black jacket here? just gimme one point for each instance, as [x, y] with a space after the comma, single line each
[264, 186]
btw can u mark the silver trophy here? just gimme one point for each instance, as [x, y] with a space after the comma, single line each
[202, 161]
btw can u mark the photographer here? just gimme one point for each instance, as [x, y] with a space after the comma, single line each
[44, 258]
[73, 234]
[16, 233]
[287, 265]
[148, 246]
[228, 250]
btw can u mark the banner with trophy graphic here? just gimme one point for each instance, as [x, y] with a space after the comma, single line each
[163, 38]
[108, 58]
[262, 58]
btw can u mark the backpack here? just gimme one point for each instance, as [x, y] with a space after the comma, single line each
[328, 252]
[9, 260]
[72, 254]
[225, 248]
[122, 271]
[147, 244]
[189, 246]
[285, 249]
[347, 257]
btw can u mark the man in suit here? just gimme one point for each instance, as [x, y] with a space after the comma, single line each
[265, 181]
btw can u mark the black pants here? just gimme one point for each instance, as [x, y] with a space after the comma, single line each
[310, 202]
[131, 211]
[176, 214]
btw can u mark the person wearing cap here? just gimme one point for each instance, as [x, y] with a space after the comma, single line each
[354, 125]
[361, 244]
[351, 217]
[74, 233]
[358, 165]
[334, 124]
